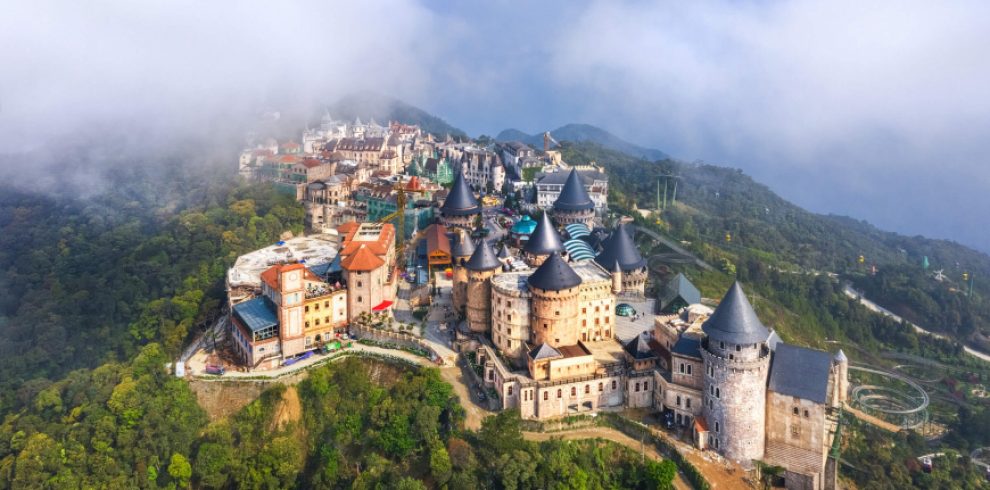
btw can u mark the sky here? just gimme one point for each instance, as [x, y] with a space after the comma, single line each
[876, 110]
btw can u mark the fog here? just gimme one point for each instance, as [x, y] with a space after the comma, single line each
[876, 110]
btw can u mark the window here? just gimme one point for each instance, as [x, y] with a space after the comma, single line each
[601, 387]
[508, 304]
[557, 313]
[795, 431]
[687, 401]
[718, 393]
[508, 331]
[560, 393]
[510, 391]
[805, 414]
[491, 375]
[717, 428]
[317, 321]
[613, 384]
[573, 391]
[326, 319]
[359, 299]
[682, 368]
[546, 395]
[678, 400]
[584, 310]
[306, 309]
[607, 320]
[597, 309]
[326, 303]
[738, 348]
[584, 323]
[689, 368]
[508, 318]
[587, 389]
[544, 326]
[307, 324]
[721, 345]
[637, 387]
[795, 410]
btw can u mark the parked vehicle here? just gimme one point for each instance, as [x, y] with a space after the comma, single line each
[215, 369]
[331, 347]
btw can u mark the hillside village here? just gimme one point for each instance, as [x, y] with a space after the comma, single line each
[518, 268]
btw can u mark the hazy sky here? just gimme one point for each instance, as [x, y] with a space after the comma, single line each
[879, 110]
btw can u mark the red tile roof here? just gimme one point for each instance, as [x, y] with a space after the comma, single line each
[364, 259]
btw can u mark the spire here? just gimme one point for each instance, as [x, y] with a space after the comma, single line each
[734, 321]
[464, 247]
[460, 200]
[574, 197]
[544, 238]
[483, 258]
[504, 252]
[616, 268]
[841, 356]
[554, 275]
[620, 246]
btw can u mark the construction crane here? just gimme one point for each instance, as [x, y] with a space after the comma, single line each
[547, 139]
[401, 189]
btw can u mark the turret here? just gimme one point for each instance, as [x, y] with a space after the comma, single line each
[460, 208]
[737, 363]
[574, 205]
[482, 265]
[616, 278]
[462, 251]
[554, 289]
[620, 247]
[841, 363]
[542, 242]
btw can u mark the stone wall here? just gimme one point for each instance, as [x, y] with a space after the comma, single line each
[397, 338]
[479, 300]
[555, 315]
[734, 404]
[510, 322]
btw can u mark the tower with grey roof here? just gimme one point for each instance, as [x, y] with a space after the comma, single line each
[462, 250]
[482, 265]
[460, 208]
[554, 310]
[736, 362]
[574, 205]
[542, 242]
[619, 248]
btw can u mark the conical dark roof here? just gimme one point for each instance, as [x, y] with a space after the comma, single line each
[734, 321]
[504, 252]
[464, 247]
[544, 239]
[573, 197]
[554, 275]
[620, 246]
[639, 348]
[483, 258]
[460, 201]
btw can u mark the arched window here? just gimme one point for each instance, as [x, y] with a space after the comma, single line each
[546, 395]
[601, 387]
[716, 428]
[718, 393]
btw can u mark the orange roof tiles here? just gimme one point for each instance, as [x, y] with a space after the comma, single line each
[311, 162]
[271, 275]
[362, 260]
[436, 239]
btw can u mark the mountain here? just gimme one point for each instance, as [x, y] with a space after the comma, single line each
[584, 133]
[368, 105]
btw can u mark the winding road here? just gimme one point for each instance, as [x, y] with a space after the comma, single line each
[856, 295]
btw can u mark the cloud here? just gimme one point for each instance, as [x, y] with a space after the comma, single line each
[842, 106]
[873, 109]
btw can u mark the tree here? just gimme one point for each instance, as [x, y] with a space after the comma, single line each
[180, 470]
[660, 475]
[212, 463]
[440, 466]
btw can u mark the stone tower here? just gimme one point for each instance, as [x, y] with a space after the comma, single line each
[462, 251]
[841, 363]
[482, 265]
[542, 242]
[460, 209]
[554, 310]
[737, 362]
[619, 247]
[574, 205]
[291, 295]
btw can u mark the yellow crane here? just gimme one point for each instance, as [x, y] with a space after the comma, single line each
[401, 188]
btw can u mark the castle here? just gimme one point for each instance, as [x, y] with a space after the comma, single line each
[547, 344]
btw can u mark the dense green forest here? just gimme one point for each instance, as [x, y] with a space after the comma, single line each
[134, 426]
[91, 279]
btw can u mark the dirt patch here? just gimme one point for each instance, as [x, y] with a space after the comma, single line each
[288, 410]
[221, 399]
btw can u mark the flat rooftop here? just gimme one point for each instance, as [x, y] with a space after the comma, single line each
[314, 249]
[625, 327]
[605, 351]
